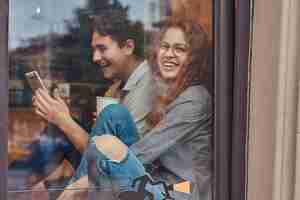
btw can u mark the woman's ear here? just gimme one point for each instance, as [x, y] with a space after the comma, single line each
[129, 47]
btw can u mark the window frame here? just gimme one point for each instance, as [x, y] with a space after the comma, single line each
[232, 34]
[4, 8]
[223, 73]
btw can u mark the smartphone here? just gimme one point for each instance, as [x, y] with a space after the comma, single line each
[34, 80]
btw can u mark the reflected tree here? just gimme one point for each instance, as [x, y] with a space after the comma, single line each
[72, 52]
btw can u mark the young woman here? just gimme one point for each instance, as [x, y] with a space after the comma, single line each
[180, 121]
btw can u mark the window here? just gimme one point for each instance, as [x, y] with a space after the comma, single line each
[56, 42]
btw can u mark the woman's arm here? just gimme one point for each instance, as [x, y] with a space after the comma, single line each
[187, 117]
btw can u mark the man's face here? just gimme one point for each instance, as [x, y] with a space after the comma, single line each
[109, 56]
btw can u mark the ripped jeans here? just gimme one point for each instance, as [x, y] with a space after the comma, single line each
[106, 174]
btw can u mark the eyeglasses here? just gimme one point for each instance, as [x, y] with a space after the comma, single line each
[177, 49]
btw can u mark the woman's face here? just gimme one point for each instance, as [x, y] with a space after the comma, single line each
[172, 53]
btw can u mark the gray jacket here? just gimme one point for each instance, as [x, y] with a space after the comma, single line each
[182, 141]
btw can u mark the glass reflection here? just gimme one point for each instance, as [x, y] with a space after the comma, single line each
[53, 38]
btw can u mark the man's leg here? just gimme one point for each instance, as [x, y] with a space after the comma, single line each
[116, 120]
[108, 162]
[108, 157]
[113, 120]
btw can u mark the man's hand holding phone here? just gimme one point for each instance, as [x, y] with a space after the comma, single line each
[52, 109]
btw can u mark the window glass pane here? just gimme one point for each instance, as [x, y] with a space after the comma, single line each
[84, 55]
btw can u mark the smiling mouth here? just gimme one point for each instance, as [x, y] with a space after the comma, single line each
[104, 64]
[169, 65]
[105, 67]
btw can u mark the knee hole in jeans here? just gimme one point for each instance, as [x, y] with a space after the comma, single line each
[111, 147]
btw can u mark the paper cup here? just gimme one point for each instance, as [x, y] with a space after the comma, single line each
[102, 102]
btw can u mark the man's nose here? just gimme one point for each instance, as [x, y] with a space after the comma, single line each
[170, 52]
[97, 57]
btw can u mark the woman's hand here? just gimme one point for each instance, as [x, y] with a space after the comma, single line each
[53, 110]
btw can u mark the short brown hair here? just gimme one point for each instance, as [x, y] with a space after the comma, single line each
[117, 25]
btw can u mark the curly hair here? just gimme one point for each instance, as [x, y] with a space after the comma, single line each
[193, 72]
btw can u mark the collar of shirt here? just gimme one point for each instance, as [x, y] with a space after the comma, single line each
[136, 76]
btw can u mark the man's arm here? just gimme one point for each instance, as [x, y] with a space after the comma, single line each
[57, 112]
[77, 135]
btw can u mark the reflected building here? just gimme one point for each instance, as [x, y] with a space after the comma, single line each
[57, 68]
[155, 11]
[24, 59]
[152, 13]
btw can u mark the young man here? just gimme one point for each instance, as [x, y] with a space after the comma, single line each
[119, 50]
